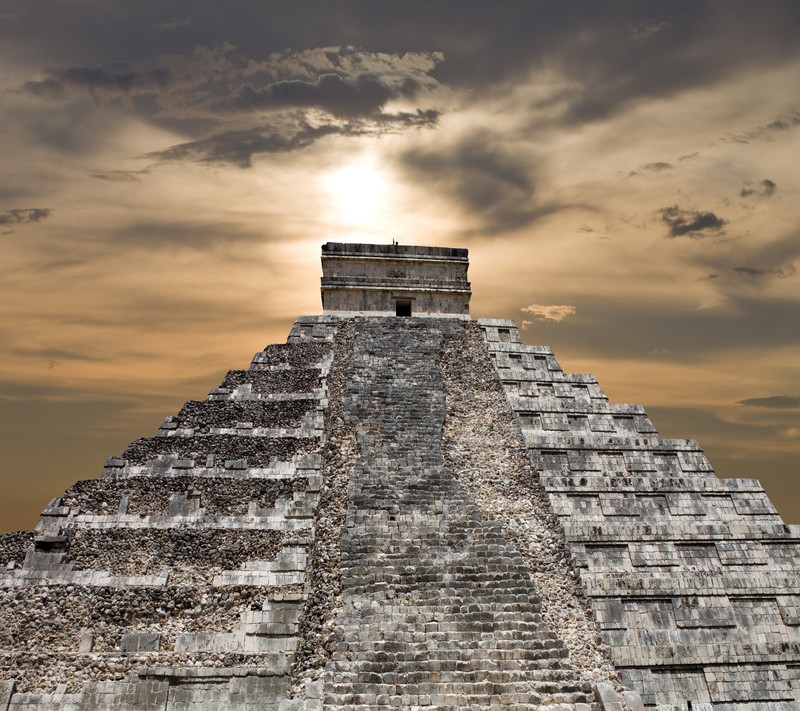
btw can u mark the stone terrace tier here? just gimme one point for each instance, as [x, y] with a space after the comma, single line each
[693, 579]
[178, 580]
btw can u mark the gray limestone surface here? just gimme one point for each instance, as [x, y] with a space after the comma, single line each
[404, 513]
[439, 609]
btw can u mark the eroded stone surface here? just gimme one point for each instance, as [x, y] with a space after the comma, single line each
[484, 450]
[439, 609]
[692, 579]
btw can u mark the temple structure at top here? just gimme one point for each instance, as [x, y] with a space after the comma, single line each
[394, 280]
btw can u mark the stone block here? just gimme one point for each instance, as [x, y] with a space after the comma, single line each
[140, 642]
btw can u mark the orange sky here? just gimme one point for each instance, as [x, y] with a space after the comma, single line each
[623, 174]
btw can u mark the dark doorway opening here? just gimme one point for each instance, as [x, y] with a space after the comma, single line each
[403, 308]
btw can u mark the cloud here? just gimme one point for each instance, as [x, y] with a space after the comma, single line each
[237, 147]
[779, 124]
[645, 30]
[690, 222]
[18, 217]
[121, 175]
[549, 312]
[657, 167]
[342, 80]
[211, 93]
[363, 95]
[112, 79]
[784, 272]
[480, 173]
[775, 402]
[766, 189]
[217, 80]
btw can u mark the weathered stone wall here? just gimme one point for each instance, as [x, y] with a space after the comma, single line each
[369, 279]
[693, 579]
[178, 579]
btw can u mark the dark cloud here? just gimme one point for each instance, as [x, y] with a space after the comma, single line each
[117, 78]
[691, 222]
[217, 80]
[204, 94]
[657, 167]
[486, 179]
[766, 188]
[774, 402]
[780, 124]
[782, 272]
[18, 217]
[360, 96]
[239, 147]
[121, 175]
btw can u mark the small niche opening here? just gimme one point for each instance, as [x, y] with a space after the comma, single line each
[402, 308]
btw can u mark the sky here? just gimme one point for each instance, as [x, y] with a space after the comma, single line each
[624, 175]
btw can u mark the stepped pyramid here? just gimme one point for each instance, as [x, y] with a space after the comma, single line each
[403, 508]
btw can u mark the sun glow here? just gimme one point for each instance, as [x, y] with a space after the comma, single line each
[358, 192]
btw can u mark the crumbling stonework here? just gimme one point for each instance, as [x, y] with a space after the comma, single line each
[484, 450]
[179, 577]
[405, 513]
[339, 454]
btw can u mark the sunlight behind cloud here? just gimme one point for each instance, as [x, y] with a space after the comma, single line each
[359, 193]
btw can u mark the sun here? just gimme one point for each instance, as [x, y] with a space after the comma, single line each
[358, 192]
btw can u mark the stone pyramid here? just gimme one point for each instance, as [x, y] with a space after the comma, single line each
[403, 508]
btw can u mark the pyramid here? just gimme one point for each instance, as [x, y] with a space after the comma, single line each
[403, 508]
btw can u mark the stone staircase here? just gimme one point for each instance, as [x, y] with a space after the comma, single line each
[439, 611]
